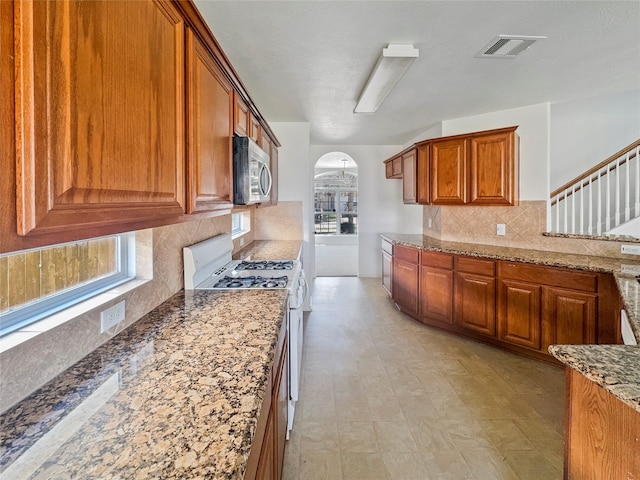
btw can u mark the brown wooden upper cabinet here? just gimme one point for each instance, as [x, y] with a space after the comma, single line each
[479, 168]
[100, 114]
[493, 168]
[393, 167]
[241, 116]
[448, 161]
[255, 131]
[210, 106]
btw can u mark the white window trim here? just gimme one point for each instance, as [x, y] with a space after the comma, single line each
[24, 318]
[245, 224]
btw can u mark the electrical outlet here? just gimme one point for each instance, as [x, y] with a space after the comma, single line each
[501, 229]
[242, 241]
[430, 222]
[630, 249]
[630, 269]
[111, 316]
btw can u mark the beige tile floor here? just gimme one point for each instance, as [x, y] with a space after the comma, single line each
[385, 397]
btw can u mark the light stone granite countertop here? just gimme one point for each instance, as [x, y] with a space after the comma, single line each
[176, 395]
[614, 367]
[270, 250]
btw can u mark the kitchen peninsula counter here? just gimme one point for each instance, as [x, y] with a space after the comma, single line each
[175, 395]
[628, 286]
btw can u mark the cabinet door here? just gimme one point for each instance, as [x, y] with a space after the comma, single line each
[210, 113]
[281, 410]
[448, 172]
[423, 175]
[255, 132]
[240, 116]
[405, 285]
[266, 464]
[476, 302]
[436, 295]
[409, 177]
[568, 317]
[491, 169]
[274, 174]
[100, 114]
[519, 313]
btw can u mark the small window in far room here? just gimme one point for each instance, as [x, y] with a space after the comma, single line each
[40, 282]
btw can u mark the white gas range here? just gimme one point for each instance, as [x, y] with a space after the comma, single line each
[208, 265]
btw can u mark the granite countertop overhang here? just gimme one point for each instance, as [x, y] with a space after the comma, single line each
[176, 395]
[616, 368]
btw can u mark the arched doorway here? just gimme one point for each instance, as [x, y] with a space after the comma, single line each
[336, 215]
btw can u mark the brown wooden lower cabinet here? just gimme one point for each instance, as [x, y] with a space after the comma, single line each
[602, 433]
[266, 458]
[517, 306]
[520, 313]
[569, 317]
[436, 295]
[405, 278]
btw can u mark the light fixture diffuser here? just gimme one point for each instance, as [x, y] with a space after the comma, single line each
[392, 64]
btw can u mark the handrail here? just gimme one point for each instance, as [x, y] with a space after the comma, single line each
[593, 170]
[586, 181]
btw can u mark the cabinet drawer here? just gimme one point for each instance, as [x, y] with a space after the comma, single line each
[436, 259]
[407, 254]
[476, 265]
[552, 276]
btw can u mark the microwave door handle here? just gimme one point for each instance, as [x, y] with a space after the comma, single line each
[264, 169]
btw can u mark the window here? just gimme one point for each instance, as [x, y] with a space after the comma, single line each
[336, 203]
[236, 224]
[37, 283]
[240, 223]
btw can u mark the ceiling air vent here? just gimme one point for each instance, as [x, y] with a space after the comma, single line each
[507, 46]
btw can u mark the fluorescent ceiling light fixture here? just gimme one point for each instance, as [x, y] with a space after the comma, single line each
[392, 64]
[507, 46]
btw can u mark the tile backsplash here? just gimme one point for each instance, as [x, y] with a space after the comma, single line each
[279, 222]
[525, 225]
[30, 364]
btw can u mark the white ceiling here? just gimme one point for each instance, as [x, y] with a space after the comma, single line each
[307, 61]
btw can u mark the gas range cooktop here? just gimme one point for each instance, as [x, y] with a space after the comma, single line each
[265, 265]
[251, 282]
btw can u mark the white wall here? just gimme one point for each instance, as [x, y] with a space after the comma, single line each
[533, 130]
[379, 199]
[295, 180]
[587, 131]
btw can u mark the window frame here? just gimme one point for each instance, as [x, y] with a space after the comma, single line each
[32, 312]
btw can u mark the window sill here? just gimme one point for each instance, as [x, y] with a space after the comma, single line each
[100, 301]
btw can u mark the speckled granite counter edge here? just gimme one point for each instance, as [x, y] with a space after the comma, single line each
[616, 368]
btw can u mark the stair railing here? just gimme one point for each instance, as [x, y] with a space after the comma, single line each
[600, 199]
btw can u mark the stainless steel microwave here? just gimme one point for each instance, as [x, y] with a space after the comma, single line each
[251, 174]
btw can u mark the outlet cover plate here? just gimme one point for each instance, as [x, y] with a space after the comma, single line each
[501, 229]
[630, 269]
[111, 316]
[630, 249]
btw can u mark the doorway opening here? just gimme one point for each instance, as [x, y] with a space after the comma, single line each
[336, 215]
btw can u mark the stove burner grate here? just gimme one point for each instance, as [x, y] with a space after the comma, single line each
[252, 282]
[265, 265]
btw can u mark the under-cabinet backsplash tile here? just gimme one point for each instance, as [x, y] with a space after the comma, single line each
[524, 225]
[32, 363]
[279, 222]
